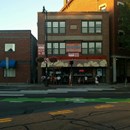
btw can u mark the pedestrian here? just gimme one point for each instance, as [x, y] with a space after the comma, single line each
[79, 80]
[85, 79]
[70, 79]
[42, 78]
[58, 79]
[96, 80]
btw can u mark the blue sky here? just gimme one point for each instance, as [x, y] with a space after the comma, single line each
[22, 14]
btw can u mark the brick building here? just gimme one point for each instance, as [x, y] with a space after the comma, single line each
[119, 55]
[18, 50]
[80, 43]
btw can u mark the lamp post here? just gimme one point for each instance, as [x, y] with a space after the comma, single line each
[71, 72]
[46, 54]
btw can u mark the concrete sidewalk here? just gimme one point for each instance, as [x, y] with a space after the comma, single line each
[42, 86]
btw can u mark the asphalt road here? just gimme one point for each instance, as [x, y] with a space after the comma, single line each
[106, 110]
[106, 116]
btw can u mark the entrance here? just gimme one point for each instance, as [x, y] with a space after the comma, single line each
[80, 75]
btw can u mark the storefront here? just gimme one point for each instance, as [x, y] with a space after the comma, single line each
[80, 70]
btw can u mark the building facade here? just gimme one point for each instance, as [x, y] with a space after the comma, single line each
[78, 41]
[18, 50]
[119, 54]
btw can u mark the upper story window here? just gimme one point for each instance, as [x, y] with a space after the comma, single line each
[56, 27]
[9, 47]
[103, 7]
[120, 3]
[91, 26]
[56, 48]
[92, 48]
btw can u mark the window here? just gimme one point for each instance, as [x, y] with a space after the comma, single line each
[103, 7]
[84, 48]
[56, 27]
[84, 27]
[98, 26]
[91, 27]
[120, 3]
[91, 48]
[62, 48]
[9, 72]
[56, 48]
[9, 47]
[98, 48]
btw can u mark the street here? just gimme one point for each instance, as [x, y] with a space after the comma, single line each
[65, 109]
[105, 116]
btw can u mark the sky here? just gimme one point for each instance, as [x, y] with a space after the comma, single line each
[22, 14]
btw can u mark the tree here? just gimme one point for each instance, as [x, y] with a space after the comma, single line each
[124, 25]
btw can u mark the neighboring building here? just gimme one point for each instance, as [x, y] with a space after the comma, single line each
[80, 43]
[119, 55]
[18, 50]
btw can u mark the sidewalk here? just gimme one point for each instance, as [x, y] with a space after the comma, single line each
[121, 87]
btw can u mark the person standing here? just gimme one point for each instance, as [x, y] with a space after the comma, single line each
[85, 79]
[70, 79]
[96, 80]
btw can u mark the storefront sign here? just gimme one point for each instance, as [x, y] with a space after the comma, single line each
[73, 47]
[99, 72]
[73, 54]
[41, 51]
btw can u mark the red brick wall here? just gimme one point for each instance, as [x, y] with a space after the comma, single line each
[22, 41]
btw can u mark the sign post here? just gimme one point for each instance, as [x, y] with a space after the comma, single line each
[7, 67]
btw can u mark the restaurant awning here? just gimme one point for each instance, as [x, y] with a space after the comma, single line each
[77, 63]
[12, 64]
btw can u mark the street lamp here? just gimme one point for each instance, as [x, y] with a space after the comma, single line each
[46, 54]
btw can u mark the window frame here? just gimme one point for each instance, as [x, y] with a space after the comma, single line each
[59, 29]
[59, 49]
[94, 48]
[91, 29]
[10, 73]
[9, 49]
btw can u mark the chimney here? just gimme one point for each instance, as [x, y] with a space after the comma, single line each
[65, 2]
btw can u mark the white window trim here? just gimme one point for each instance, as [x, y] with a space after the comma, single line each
[103, 6]
[120, 3]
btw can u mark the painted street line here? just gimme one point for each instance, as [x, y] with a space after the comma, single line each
[62, 112]
[3, 120]
[74, 100]
[104, 106]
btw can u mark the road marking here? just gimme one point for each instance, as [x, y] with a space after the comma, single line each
[4, 120]
[74, 100]
[15, 101]
[11, 95]
[63, 112]
[104, 106]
